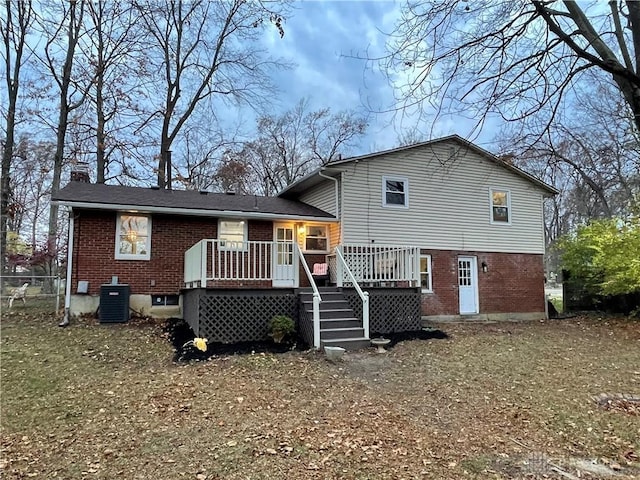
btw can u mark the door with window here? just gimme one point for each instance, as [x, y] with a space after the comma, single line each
[284, 265]
[468, 285]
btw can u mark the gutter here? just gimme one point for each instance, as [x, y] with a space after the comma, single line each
[196, 212]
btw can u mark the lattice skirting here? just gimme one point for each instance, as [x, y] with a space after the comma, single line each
[390, 309]
[236, 316]
[305, 325]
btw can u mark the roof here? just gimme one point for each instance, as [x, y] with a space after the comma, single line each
[314, 177]
[184, 202]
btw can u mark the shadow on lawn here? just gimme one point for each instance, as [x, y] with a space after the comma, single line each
[179, 334]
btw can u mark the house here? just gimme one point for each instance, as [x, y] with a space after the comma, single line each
[442, 229]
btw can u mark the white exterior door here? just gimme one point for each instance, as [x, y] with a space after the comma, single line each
[468, 285]
[284, 256]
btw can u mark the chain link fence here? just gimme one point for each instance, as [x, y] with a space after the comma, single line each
[31, 293]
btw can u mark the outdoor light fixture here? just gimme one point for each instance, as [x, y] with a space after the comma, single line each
[301, 229]
[485, 267]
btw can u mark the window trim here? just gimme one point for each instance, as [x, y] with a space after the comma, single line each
[430, 272]
[245, 235]
[131, 256]
[326, 237]
[491, 206]
[405, 181]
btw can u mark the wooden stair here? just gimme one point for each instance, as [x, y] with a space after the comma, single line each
[339, 327]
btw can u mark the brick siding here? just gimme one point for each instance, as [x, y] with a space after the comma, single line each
[514, 283]
[171, 236]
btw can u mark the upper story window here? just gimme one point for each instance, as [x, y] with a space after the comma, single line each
[232, 234]
[425, 273]
[133, 237]
[500, 206]
[395, 192]
[316, 238]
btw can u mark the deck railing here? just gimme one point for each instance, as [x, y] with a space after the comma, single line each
[222, 260]
[364, 296]
[317, 299]
[378, 264]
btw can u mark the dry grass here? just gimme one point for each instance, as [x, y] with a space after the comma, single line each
[492, 401]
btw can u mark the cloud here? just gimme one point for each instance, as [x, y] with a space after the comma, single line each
[329, 42]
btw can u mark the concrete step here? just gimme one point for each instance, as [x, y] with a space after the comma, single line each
[339, 333]
[348, 343]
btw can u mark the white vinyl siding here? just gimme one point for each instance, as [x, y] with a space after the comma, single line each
[322, 196]
[449, 202]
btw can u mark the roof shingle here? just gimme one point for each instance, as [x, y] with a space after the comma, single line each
[102, 195]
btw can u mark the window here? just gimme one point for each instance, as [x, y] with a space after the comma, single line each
[425, 273]
[164, 300]
[500, 206]
[133, 237]
[395, 192]
[232, 234]
[316, 238]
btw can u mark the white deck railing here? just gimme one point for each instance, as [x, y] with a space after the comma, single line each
[378, 264]
[364, 296]
[222, 260]
[317, 299]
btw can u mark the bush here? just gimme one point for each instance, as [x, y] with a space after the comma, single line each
[603, 255]
[280, 327]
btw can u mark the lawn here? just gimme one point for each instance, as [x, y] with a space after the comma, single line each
[502, 400]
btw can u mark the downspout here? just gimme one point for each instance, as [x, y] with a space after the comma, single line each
[335, 181]
[67, 295]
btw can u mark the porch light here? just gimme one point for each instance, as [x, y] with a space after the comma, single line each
[485, 267]
[301, 229]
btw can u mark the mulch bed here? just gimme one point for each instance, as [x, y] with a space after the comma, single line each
[179, 333]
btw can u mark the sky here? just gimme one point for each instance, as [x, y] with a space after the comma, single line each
[324, 39]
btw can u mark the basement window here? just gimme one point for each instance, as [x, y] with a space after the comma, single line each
[165, 300]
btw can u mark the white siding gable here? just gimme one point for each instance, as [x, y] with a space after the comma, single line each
[449, 202]
[321, 196]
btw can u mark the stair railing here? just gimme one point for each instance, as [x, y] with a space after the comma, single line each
[364, 296]
[316, 299]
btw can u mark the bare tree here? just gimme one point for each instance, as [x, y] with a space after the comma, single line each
[589, 153]
[290, 145]
[30, 187]
[108, 55]
[14, 28]
[63, 29]
[205, 51]
[515, 59]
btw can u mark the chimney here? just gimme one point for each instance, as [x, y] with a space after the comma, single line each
[80, 172]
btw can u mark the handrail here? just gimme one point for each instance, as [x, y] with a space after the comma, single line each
[364, 296]
[316, 299]
[308, 271]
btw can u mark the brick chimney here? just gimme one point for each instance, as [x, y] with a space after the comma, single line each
[80, 172]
